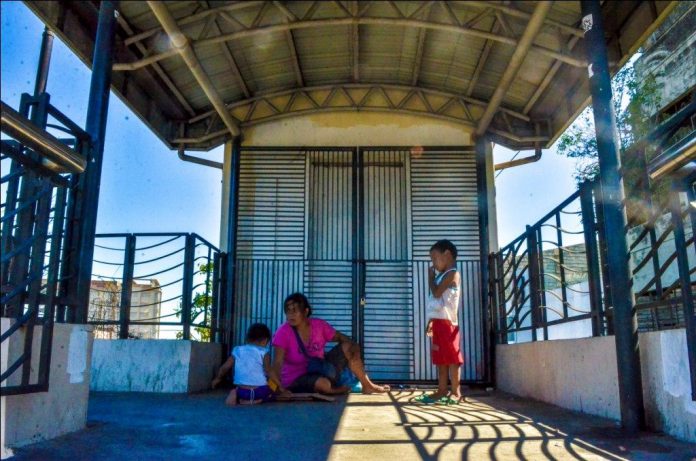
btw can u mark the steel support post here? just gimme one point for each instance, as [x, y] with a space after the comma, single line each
[187, 284]
[87, 194]
[231, 262]
[625, 321]
[687, 296]
[126, 287]
[482, 192]
[534, 276]
[44, 62]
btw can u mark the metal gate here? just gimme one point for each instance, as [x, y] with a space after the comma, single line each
[352, 229]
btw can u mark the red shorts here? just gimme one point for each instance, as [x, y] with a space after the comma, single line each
[445, 347]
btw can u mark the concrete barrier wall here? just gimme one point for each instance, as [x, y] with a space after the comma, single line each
[666, 385]
[581, 374]
[153, 365]
[30, 418]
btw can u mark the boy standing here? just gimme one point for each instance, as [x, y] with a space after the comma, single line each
[444, 282]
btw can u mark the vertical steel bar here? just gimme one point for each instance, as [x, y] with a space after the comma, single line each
[187, 288]
[687, 296]
[215, 300]
[207, 305]
[534, 286]
[52, 279]
[502, 311]
[8, 229]
[592, 257]
[561, 265]
[90, 180]
[484, 246]
[625, 320]
[355, 243]
[543, 311]
[232, 218]
[44, 62]
[601, 234]
[124, 309]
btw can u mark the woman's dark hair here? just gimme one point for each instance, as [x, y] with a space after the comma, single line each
[300, 299]
[445, 245]
[258, 332]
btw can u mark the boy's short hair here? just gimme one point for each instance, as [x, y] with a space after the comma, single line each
[258, 332]
[300, 299]
[445, 245]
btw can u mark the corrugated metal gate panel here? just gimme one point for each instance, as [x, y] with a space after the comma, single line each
[330, 205]
[388, 321]
[385, 176]
[330, 247]
[261, 287]
[387, 317]
[271, 205]
[297, 232]
[444, 204]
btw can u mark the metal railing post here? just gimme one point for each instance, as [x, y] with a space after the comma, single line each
[126, 287]
[502, 311]
[215, 301]
[592, 257]
[534, 285]
[187, 290]
[687, 296]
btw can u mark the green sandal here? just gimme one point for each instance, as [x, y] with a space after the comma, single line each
[425, 399]
[448, 401]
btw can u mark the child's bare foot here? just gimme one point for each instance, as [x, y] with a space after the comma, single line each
[231, 399]
[375, 389]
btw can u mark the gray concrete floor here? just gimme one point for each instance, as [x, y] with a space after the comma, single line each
[388, 427]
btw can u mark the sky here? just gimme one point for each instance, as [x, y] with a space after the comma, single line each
[146, 188]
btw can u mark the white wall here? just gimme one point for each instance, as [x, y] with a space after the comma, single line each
[666, 385]
[151, 365]
[581, 374]
[30, 418]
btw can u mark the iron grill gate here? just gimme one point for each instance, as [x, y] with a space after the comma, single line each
[348, 225]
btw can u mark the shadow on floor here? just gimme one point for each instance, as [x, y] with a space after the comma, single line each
[198, 426]
[357, 428]
[490, 427]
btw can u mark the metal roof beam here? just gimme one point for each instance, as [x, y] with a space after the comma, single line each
[523, 47]
[389, 22]
[181, 44]
[514, 12]
[158, 69]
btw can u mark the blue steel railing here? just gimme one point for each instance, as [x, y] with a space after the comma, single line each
[156, 285]
[34, 232]
[551, 275]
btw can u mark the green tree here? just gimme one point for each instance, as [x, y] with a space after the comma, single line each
[202, 303]
[635, 105]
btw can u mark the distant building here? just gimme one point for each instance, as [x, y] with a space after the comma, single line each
[104, 306]
[669, 54]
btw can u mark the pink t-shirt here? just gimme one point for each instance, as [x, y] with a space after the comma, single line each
[295, 364]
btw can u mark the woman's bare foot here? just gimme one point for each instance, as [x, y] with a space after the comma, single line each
[375, 389]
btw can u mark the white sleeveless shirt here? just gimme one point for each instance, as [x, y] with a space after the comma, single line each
[447, 305]
[248, 365]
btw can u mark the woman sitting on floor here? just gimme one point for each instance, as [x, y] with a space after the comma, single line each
[302, 338]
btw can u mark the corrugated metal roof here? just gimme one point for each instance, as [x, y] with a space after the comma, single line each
[268, 60]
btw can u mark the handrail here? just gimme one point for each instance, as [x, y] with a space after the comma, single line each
[62, 159]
